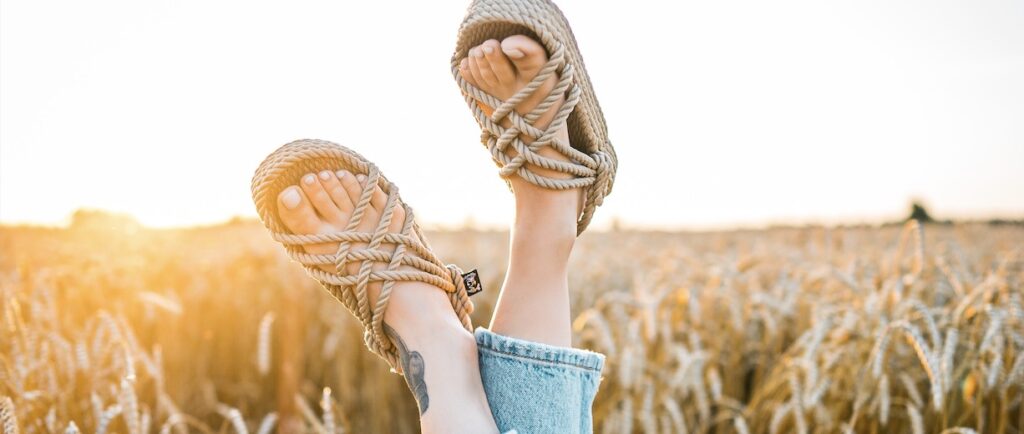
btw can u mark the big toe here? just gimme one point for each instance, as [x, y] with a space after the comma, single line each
[297, 211]
[526, 54]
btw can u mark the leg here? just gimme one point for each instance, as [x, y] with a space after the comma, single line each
[534, 301]
[438, 356]
[535, 381]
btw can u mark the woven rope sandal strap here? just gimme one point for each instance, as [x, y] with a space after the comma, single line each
[591, 172]
[410, 247]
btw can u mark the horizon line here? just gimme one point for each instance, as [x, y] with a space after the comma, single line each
[614, 224]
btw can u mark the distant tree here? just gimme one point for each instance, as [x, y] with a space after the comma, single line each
[92, 220]
[917, 212]
[239, 221]
[616, 224]
[470, 224]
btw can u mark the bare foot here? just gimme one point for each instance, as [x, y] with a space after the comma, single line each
[437, 354]
[501, 69]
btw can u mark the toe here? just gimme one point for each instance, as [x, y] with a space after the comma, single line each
[501, 66]
[527, 55]
[371, 216]
[474, 71]
[351, 185]
[300, 217]
[321, 200]
[335, 190]
[483, 66]
[466, 73]
[397, 219]
[379, 200]
[297, 212]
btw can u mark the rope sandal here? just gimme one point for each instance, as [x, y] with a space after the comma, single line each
[284, 167]
[592, 161]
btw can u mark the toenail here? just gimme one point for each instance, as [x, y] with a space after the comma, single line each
[309, 179]
[477, 53]
[341, 174]
[361, 178]
[291, 198]
[464, 64]
[488, 49]
[325, 175]
[514, 53]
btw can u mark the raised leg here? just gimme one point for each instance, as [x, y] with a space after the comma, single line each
[535, 381]
[438, 356]
[534, 301]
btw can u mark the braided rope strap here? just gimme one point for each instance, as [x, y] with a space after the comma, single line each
[591, 164]
[370, 251]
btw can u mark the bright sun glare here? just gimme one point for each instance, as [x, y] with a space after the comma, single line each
[723, 113]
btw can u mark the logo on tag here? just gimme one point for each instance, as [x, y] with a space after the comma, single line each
[472, 281]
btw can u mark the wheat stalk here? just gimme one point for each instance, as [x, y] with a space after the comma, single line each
[908, 385]
[175, 421]
[948, 353]
[1016, 374]
[263, 348]
[916, 421]
[958, 430]
[328, 411]
[106, 417]
[924, 355]
[926, 315]
[714, 383]
[647, 419]
[779, 415]
[145, 421]
[162, 302]
[267, 424]
[883, 399]
[309, 415]
[235, 417]
[740, 425]
[8, 417]
[130, 406]
[675, 414]
[72, 428]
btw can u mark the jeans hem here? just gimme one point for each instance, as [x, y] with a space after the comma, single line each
[522, 349]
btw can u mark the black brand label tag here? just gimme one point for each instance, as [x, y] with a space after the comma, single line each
[472, 281]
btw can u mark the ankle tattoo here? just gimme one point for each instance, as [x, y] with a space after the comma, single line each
[414, 368]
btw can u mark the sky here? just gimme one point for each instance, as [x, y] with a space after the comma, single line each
[723, 113]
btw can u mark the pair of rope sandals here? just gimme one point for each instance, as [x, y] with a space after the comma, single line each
[590, 160]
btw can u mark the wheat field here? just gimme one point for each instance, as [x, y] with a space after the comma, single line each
[919, 329]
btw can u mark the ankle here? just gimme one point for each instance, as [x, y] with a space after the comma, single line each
[418, 311]
[543, 230]
[537, 205]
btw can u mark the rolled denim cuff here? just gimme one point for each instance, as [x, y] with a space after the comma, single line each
[528, 351]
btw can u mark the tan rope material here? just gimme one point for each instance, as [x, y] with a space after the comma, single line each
[285, 167]
[591, 159]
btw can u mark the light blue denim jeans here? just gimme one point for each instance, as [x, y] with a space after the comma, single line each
[534, 388]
